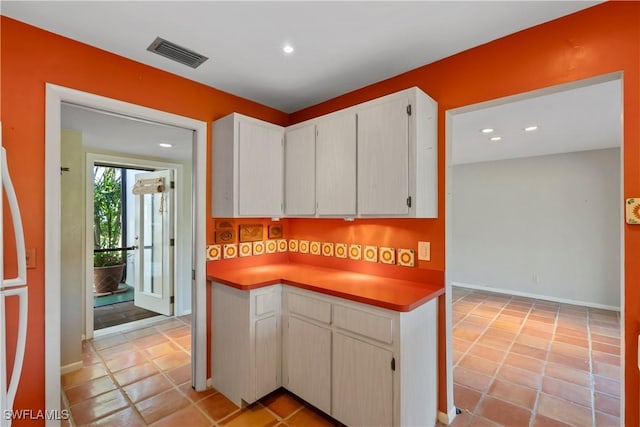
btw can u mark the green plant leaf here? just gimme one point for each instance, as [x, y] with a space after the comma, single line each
[107, 215]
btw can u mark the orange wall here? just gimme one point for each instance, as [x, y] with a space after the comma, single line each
[32, 57]
[599, 40]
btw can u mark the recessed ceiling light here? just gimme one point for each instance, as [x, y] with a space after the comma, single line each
[487, 130]
[496, 138]
[165, 145]
[530, 128]
[288, 49]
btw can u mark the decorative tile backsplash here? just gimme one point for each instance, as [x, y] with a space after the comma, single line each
[214, 252]
[258, 247]
[355, 252]
[406, 257]
[230, 251]
[314, 248]
[327, 249]
[246, 249]
[387, 255]
[370, 253]
[271, 246]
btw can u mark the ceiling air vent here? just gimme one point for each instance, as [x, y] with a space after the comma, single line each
[177, 53]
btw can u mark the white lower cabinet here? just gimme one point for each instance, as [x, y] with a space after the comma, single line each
[383, 363]
[308, 355]
[362, 383]
[361, 364]
[245, 340]
[267, 355]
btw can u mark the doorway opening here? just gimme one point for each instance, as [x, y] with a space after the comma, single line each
[116, 231]
[527, 275]
[191, 223]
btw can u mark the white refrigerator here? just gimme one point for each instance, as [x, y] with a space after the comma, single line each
[13, 291]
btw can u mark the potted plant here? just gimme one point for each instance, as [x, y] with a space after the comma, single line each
[108, 266]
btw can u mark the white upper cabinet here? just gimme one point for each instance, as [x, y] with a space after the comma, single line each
[397, 156]
[336, 165]
[375, 159]
[300, 171]
[248, 167]
[383, 158]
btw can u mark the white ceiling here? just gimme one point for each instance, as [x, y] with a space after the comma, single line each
[108, 132]
[340, 45]
[575, 119]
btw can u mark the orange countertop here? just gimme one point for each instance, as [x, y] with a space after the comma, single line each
[393, 294]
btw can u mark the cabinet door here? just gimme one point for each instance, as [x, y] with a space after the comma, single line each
[362, 387]
[309, 363]
[267, 343]
[260, 166]
[336, 165]
[383, 159]
[300, 171]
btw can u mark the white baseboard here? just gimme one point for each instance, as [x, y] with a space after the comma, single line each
[447, 419]
[536, 296]
[70, 367]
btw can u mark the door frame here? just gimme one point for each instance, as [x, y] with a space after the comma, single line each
[183, 243]
[448, 417]
[55, 95]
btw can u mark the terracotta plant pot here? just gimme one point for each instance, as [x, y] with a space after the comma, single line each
[107, 279]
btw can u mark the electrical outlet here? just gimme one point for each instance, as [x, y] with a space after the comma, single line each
[31, 258]
[424, 251]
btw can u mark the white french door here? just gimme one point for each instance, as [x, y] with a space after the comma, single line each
[154, 255]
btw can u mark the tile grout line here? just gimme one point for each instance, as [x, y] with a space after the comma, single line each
[120, 387]
[504, 357]
[161, 332]
[474, 343]
[559, 316]
[534, 410]
[212, 422]
[162, 372]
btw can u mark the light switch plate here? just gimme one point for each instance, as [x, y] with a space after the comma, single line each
[424, 251]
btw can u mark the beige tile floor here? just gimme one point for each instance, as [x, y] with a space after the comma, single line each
[143, 377]
[526, 362]
[517, 362]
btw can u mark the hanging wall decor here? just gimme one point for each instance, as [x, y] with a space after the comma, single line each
[225, 231]
[250, 232]
[633, 211]
[275, 231]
